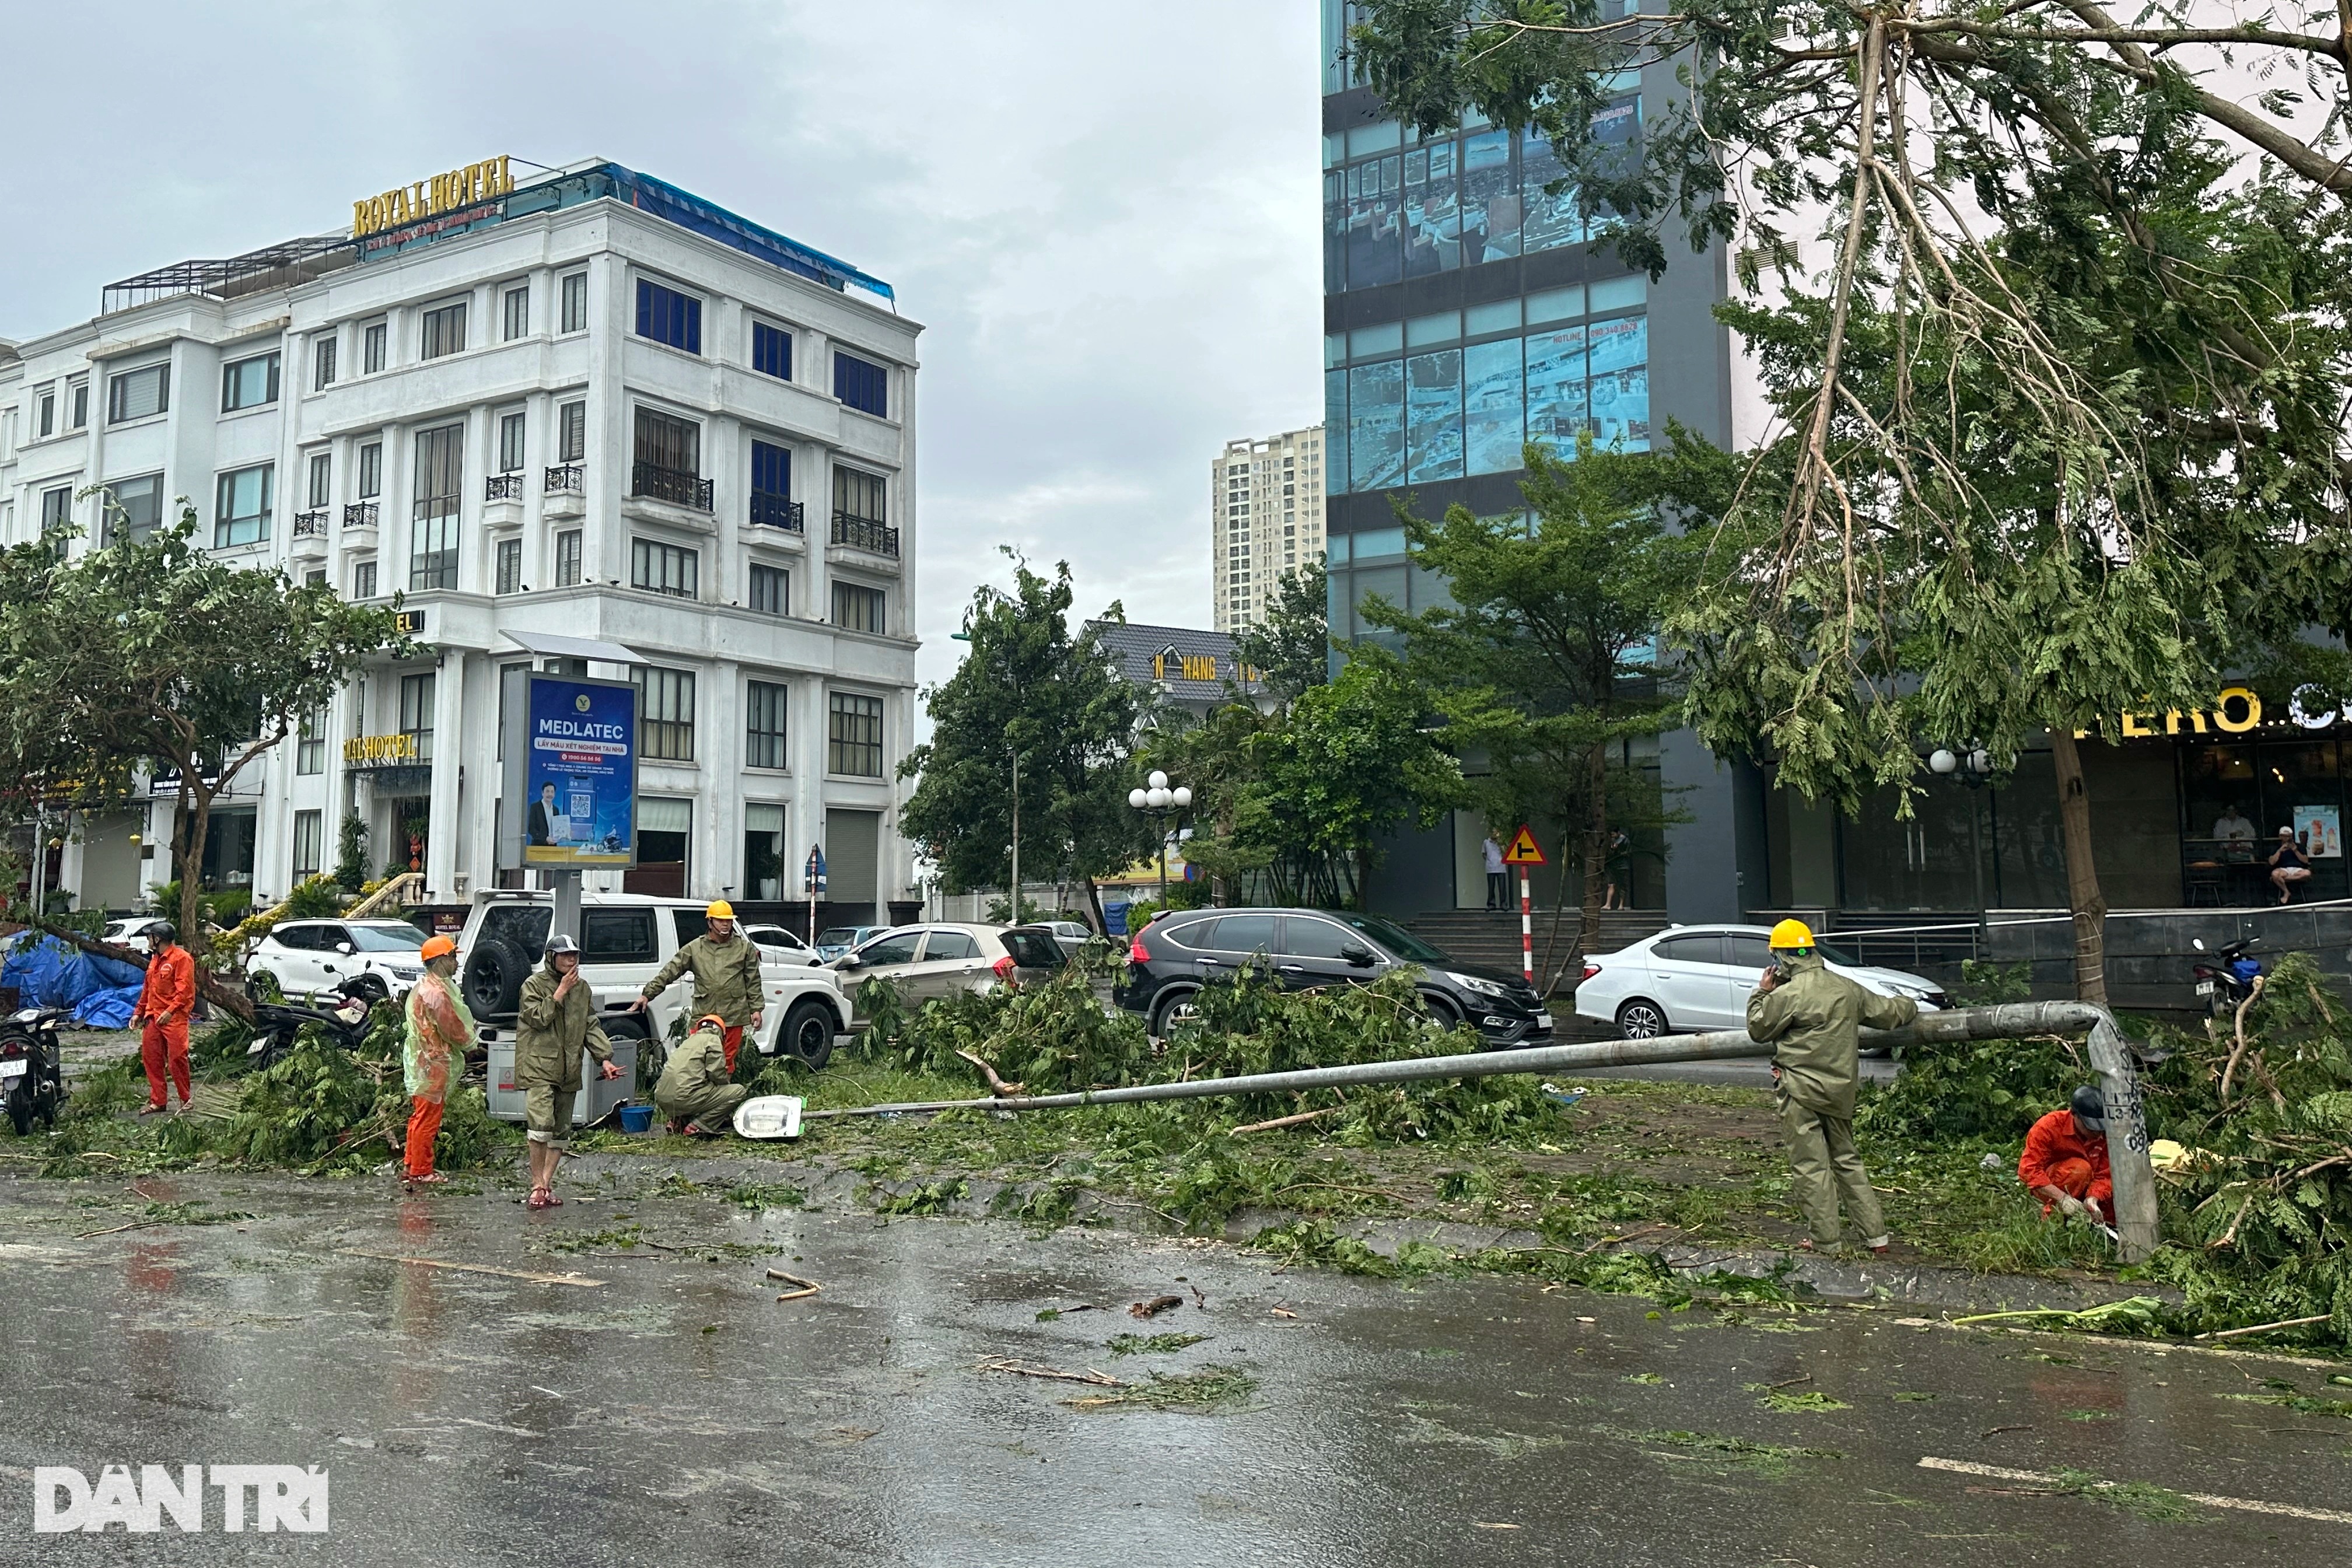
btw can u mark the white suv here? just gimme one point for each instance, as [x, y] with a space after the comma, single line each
[624, 939]
[306, 957]
[1697, 978]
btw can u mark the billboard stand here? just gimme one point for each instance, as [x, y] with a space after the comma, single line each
[567, 904]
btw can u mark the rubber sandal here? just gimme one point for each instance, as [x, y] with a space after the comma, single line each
[540, 1199]
[152, 1110]
[552, 1201]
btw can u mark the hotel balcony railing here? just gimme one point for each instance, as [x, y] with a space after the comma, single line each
[310, 524]
[775, 511]
[563, 478]
[359, 514]
[502, 486]
[864, 534]
[673, 485]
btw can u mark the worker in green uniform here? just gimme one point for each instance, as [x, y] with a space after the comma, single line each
[726, 966]
[694, 1091]
[555, 1020]
[1814, 1019]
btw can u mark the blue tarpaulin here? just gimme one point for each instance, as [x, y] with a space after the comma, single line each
[100, 992]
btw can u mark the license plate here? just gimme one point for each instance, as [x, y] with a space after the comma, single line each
[2204, 988]
[13, 1069]
[1543, 1020]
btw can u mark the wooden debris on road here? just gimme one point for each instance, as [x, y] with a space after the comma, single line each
[1019, 1368]
[996, 1086]
[578, 1280]
[807, 1286]
[1153, 1308]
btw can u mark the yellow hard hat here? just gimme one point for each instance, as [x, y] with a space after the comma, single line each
[719, 910]
[1792, 933]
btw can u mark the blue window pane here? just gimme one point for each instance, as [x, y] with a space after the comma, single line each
[1555, 407]
[1490, 199]
[862, 384]
[771, 351]
[772, 469]
[1551, 220]
[1615, 125]
[1621, 410]
[1335, 433]
[1335, 232]
[1432, 211]
[1433, 416]
[1620, 344]
[1376, 425]
[1378, 544]
[1494, 395]
[1375, 197]
[666, 316]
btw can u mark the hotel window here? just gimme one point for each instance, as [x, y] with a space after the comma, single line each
[323, 358]
[363, 580]
[666, 316]
[763, 738]
[241, 506]
[510, 578]
[862, 384]
[136, 394]
[132, 510]
[49, 419]
[416, 712]
[772, 351]
[433, 543]
[658, 568]
[571, 432]
[518, 313]
[371, 470]
[311, 744]
[249, 382]
[858, 609]
[771, 485]
[575, 302]
[443, 331]
[567, 559]
[309, 837]
[57, 516]
[375, 341]
[323, 473]
[859, 497]
[510, 431]
[853, 736]
[79, 393]
[772, 589]
[665, 714]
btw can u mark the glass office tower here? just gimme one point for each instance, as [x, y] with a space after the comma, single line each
[1466, 314]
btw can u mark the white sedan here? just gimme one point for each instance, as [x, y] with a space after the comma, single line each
[1689, 979]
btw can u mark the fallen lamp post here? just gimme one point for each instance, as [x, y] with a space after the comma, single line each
[2134, 1176]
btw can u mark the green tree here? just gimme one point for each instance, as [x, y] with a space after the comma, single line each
[1546, 658]
[1030, 694]
[1291, 648]
[156, 656]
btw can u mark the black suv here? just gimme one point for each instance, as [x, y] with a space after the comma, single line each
[1177, 955]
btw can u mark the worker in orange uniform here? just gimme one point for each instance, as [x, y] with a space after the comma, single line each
[164, 1003]
[439, 1027]
[2065, 1158]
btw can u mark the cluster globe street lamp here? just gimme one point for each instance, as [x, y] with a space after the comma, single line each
[1159, 802]
[1974, 767]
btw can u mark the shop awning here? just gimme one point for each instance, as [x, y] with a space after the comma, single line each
[547, 644]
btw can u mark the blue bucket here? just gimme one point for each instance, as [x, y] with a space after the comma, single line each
[636, 1118]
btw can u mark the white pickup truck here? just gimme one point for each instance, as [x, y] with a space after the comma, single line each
[624, 939]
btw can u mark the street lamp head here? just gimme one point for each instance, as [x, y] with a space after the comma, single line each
[1182, 794]
[1158, 795]
[1136, 798]
[1942, 760]
[1158, 780]
[1980, 762]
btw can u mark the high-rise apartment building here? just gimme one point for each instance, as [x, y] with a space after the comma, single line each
[1265, 517]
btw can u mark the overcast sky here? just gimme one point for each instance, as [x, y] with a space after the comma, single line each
[1105, 214]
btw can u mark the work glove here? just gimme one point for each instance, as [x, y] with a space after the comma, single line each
[2071, 1207]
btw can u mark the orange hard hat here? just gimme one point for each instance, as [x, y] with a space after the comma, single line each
[436, 947]
[713, 1019]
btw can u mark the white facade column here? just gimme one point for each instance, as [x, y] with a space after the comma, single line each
[604, 544]
[448, 757]
[718, 813]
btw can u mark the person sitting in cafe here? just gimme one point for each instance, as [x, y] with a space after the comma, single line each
[2065, 1158]
[2233, 827]
[2288, 866]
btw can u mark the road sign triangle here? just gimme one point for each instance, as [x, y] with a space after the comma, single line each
[1524, 850]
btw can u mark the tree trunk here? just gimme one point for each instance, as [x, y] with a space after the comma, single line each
[191, 825]
[1094, 907]
[2084, 899]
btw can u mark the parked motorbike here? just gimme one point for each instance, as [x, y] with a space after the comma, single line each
[344, 1018]
[2229, 980]
[31, 1068]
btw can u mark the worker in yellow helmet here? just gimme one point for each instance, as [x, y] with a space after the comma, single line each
[1814, 1019]
[725, 966]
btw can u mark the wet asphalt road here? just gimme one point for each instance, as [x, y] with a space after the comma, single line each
[678, 1413]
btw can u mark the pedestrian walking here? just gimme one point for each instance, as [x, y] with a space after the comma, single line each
[1498, 880]
[694, 1091]
[1814, 1019]
[555, 1021]
[726, 967]
[439, 1027]
[166, 1001]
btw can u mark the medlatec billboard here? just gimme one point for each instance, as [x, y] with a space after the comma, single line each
[577, 773]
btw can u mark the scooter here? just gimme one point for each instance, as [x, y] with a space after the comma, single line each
[2229, 980]
[344, 1021]
[31, 1068]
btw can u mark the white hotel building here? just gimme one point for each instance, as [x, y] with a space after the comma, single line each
[588, 422]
